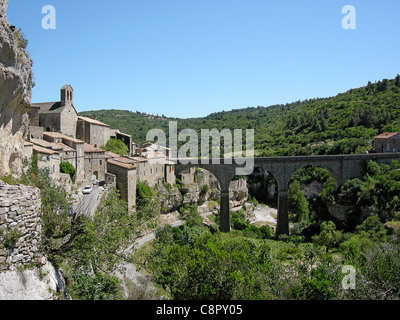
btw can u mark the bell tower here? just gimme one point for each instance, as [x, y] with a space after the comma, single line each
[67, 95]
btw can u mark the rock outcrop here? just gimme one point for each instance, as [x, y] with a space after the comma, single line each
[200, 188]
[15, 95]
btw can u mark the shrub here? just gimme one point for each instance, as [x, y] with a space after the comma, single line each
[143, 194]
[316, 286]
[204, 189]
[101, 286]
[67, 168]
[298, 202]
[116, 146]
[328, 236]
[239, 221]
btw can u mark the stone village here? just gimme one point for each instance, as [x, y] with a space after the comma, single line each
[57, 134]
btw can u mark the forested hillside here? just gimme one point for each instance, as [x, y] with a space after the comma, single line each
[345, 123]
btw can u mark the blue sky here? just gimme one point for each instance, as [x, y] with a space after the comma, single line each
[189, 58]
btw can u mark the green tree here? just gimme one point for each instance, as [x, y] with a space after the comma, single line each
[298, 202]
[328, 236]
[66, 167]
[116, 146]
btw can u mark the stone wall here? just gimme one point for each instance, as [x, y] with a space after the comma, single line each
[125, 180]
[20, 220]
[68, 120]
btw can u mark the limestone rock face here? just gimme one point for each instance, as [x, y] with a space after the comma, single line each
[15, 95]
[3, 7]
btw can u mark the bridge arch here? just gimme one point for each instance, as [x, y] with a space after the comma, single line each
[224, 173]
[326, 181]
[258, 184]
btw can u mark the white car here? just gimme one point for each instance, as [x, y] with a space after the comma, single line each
[87, 190]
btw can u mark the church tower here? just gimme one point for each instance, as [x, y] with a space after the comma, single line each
[67, 95]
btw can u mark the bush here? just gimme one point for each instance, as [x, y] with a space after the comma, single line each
[67, 168]
[316, 286]
[116, 146]
[329, 236]
[101, 286]
[143, 194]
[298, 202]
[239, 221]
[204, 189]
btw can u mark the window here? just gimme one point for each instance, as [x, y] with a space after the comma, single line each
[101, 162]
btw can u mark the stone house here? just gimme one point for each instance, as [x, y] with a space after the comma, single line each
[59, 116]
[157, 167]
[92, 131]
[126, 176]
[34, 130]
[67, 154]
[387, 142]
[170, 172]
[95, 163]
[77, 145]
[47, 159]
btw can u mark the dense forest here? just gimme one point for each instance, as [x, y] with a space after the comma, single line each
[345, 123]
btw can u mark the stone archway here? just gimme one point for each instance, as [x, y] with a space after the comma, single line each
[224, 173]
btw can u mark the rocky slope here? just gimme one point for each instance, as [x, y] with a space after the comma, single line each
[15, 95]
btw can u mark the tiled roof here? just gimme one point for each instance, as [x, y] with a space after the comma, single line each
[44, 150]
[61, 136]
[52, 145]
[386, 135]
[121, 164]
[91, 148]
[93, 121]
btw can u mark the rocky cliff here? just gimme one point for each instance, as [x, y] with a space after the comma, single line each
[20, 222]
[15, 94]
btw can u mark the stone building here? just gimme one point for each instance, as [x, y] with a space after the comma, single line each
[47, 159]
[125, 174]
[92, 131]
[34, 130]
[77, 145]
[95, 163]
[59, 116]
[387, 142]
[67, 154]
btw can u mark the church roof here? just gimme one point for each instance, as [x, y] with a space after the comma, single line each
[49, 107]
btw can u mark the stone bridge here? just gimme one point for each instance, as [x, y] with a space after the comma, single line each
[342, 168]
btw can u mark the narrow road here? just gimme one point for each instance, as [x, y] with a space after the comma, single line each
[88, 203]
